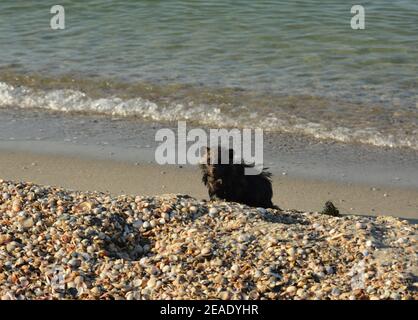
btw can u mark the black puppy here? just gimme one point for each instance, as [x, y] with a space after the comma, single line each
[227, 181]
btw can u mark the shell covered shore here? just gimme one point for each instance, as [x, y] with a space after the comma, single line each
[63, 244]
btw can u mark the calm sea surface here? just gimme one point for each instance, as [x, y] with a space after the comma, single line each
[294, 66]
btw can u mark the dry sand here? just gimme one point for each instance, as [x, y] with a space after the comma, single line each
[116, 177]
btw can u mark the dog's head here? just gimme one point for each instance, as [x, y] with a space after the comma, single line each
[217, 161]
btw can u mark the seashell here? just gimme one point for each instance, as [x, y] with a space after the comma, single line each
[291, 290]
[17, 205]
[291, 252]
[5, 238]
[360, 225]
[206, 251]
[152, 282]
[11, 246]
[27, 223]
[225, 295]
[213, 211]
[193, 209]
[84, 206]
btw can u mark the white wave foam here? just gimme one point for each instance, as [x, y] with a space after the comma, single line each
[76, 101]
[365, 136]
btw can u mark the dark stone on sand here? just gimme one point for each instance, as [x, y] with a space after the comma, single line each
[330, 209]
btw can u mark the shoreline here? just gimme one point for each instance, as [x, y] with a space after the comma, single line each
[133, 140]
[123, 177]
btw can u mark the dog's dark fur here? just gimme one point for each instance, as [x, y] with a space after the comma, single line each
[228, 181]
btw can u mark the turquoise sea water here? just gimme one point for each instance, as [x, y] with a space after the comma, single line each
[293, 66]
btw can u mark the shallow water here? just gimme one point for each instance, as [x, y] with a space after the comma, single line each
[293, 67]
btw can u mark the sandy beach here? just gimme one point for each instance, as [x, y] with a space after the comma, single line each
[90, 108]
[118, 230]
[154, 244]
[124, 177]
